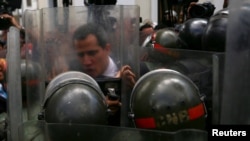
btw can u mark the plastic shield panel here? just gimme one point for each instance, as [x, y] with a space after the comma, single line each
[49, 50]
[235, 105]
[14, 99]
[205, 69]
[54, 35]
[49, 36]
[39, 131]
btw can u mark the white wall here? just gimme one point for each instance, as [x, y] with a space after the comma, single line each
[126, 2]
[145, 8]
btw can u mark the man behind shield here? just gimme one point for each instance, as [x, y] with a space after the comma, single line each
[91, 46]
[93, 52]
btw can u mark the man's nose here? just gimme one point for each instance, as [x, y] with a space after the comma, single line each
[86, 60]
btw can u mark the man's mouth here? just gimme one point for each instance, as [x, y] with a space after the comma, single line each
[89, 71]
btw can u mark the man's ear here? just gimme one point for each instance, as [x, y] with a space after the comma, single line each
[108, 47]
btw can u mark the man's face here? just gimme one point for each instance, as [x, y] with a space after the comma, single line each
[93, 57]
[3, 67]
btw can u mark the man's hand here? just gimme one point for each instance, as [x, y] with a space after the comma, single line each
[127, 75]
[113, 105]
[12, 20]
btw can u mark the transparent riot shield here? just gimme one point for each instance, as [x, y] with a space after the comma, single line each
[49, 52]
[3, 53]
[14, 95]
[218, 84]
[51, 38]
[235, 99]
[204, 68]
[38, 131]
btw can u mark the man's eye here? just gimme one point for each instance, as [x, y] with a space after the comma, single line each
[80, 54]
[92, 53]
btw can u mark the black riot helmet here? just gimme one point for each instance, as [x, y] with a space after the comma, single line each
[203, 10]
[74, 97]
[167, 100]
[190, 34]
[214, 37]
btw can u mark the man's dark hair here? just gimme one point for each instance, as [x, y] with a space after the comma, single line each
[145, 26]
[91, 28]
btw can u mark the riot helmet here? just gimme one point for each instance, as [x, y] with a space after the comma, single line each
[167, 100]
[74, 97]
[30, 76]
[214, 37]
[166, 38]
[160, 44]
[201, 10]
[190, 33]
